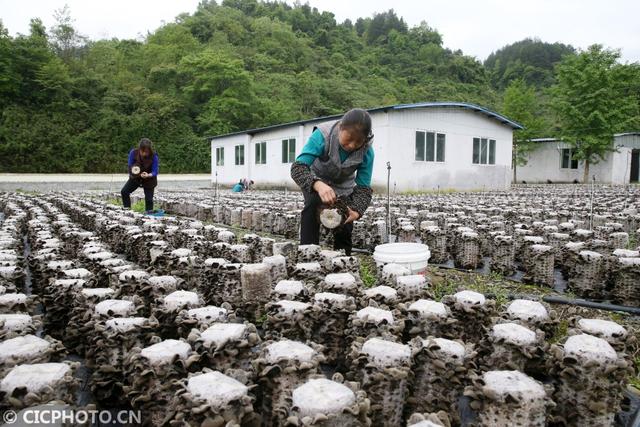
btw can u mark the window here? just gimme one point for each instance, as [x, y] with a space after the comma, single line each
[239, 154]
[219, 156]
[261, 153]
[567, 160]
[288, 150]
[430, 146]
[484, 151]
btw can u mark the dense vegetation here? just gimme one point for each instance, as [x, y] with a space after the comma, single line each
[73, 105]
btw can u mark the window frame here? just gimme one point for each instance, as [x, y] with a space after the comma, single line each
[288, 155]
[483, 151]
[434, 146]
[239, 155]
[261, 153]
[220, 156]
[572, 164]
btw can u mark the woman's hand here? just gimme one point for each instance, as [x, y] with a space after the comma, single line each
[144, 175]
[326, 193]
[352, 216]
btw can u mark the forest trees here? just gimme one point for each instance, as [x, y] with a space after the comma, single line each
[68, 104]
[594, 98]
[521, 104]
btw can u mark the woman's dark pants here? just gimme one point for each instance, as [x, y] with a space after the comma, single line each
[131, 186]
[310, 225]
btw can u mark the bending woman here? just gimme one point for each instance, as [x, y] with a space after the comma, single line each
[143, 172]
[337, 161]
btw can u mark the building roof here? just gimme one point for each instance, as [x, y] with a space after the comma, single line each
[490, 114]
[544, 139]
[615, 135]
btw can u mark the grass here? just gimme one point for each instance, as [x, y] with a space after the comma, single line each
[367, 271]
[260, 320]
[438, 191]
[635, 381]
[28, 192]
[443, 287]
[633, 241]
[136, 207]
[561, 331]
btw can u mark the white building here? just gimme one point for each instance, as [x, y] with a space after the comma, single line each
[446, 145]
[552, 161]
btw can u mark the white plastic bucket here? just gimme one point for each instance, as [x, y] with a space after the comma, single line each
[414, 256]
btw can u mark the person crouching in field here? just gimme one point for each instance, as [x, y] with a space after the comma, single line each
[336, 162]
[143, 172]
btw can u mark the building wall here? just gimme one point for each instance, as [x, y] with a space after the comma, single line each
[457, 171]
[544, 164]
[394, 142]
[230, 173]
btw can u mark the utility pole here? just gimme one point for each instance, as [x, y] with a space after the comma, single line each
[388, 201]
[593, 185]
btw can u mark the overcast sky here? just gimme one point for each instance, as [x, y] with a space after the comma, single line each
[476, 27]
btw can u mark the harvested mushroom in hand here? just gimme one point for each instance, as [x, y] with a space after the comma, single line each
[336, 215]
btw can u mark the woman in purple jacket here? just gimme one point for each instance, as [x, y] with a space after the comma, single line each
[143, 172]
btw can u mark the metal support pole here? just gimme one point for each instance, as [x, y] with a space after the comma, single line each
[216, 186]
[388, 201]
[593, 183]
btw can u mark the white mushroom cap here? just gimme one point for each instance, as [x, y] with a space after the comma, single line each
[22, 347]
[382, 291]
[589, 348]
[216, 388]
[179, 299]
[113, 262]
[290, 307]
[449, 347]
[220, 333]
[34, 377]
[289, 350]
[525, 309]
[330, 297]
[133, 274]
[164, 351]
[395, 270]
[515, 383]
[70, 283]
[600, 327]
[376, 315]
[514, 333]
[163, 281]
[412, 281]
[211, 261]
[7, 299]
[208, 313]
[386, 353]
[116, 306]
[125, 324]
[469, 298]
[101, 256]
[77, 273]
[424, 423]
[309, 266]
[289, 287]
[541, 248]
[429, 308]
[99, 292]
[59, 264]
[340, 280]
[322, 396]
[15, 322]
